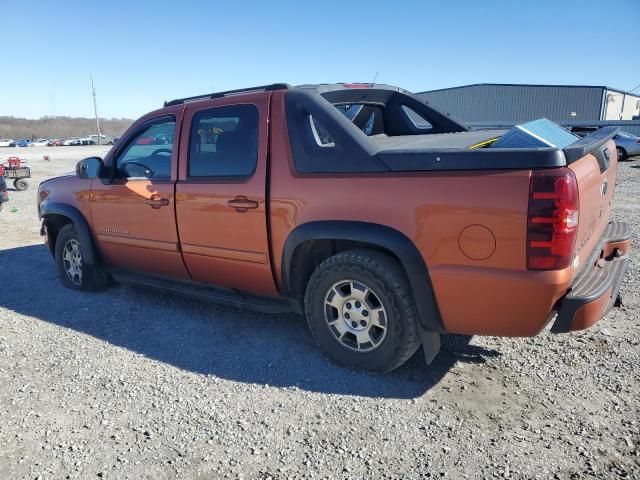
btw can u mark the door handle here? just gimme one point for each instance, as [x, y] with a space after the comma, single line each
[156, 201]
[242, 203]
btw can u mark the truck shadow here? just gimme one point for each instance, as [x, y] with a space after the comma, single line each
[211, 339]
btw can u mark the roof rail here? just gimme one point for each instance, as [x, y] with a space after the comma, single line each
[206, 96]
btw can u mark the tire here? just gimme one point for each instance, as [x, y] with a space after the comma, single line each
[386, 314]
[73, 272]
[20, 184]
[622, 154]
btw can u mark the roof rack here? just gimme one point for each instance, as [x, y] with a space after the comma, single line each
[206, 96]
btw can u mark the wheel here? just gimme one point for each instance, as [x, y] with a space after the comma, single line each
[622, 154]
[20, 184]
[73, 271]
[360, 311]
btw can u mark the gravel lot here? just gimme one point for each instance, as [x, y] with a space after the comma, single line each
[135, 384]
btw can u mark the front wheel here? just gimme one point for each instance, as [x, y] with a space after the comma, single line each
[73, 271]
[360, 311]
[622, 154]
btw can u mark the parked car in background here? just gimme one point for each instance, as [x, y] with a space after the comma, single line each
[41, 142]
[56, 142]
[95, 140]
[7, 142]
[627, 145]
[74, 141]
[23, 142]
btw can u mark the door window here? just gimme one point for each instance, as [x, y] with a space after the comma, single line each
[148, 154]
[224, 142]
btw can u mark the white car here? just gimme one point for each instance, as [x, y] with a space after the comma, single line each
[93, 140]
[73, 141]
[41, 142]
[7, 142]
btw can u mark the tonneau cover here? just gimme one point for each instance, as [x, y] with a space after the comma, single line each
[462, 140]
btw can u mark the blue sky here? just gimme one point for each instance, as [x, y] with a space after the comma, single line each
[142, 52]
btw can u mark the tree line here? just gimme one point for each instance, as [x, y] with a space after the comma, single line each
[60, 127]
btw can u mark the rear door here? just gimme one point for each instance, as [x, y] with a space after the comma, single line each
[221, 193]
[133, 216]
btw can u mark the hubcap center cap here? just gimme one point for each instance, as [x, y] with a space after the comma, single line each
[355, 314]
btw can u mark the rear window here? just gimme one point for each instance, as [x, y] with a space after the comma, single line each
[367, 118]
[416, 119]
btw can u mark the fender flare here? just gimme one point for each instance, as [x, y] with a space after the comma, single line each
[403, 248]
[80, 224]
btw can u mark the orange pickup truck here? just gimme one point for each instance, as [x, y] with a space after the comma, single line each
[383, 220]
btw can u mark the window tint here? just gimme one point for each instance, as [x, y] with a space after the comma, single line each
[224, 142]
[148, 154]
[417, 119]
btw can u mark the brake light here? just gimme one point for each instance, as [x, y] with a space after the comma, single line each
[552, 222]
[357, 85]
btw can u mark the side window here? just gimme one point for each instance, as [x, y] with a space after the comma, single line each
[416, 119]
[148, 154]
[224, 142]
[322, 136]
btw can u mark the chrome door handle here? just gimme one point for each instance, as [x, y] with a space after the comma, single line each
[156, 202]
[242, 203]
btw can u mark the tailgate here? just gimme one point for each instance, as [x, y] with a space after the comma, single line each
[594, 162]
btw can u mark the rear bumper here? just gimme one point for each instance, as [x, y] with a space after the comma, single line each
[597, 288]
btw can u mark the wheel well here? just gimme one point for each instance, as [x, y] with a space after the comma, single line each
[54, 223]
[311, 253]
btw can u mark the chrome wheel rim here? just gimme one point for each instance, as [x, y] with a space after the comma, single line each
[72, 260]
[355, 316]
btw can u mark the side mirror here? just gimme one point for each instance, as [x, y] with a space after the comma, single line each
[89, 167]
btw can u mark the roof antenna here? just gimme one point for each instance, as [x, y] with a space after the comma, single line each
[374, 79]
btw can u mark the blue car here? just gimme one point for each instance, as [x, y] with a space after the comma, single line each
[23, 143]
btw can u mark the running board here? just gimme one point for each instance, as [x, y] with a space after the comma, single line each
[224, 296]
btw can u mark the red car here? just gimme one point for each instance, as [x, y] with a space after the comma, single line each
[146, 141]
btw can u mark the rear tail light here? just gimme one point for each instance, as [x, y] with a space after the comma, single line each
[552, 222]
[357, 85]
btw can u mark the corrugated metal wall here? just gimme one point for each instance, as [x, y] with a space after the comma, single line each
[518, 103]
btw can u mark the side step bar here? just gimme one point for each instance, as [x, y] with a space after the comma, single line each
[224, 296]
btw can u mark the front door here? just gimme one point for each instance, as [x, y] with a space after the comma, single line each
[220, 194]
[133, 215]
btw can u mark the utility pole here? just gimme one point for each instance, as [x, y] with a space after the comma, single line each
[95, 110]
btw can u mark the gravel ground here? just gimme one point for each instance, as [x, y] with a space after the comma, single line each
[135, 384]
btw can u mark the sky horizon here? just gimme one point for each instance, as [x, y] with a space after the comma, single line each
[141, 54]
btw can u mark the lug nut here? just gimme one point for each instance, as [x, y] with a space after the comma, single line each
[363, 323]
[365, 313]
[349, 306]
[354, 324]
[358, 304]
[347, 316]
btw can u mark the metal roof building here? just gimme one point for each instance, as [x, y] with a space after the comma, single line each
[513, 103]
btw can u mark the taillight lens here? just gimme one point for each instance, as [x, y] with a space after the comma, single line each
[552, 222]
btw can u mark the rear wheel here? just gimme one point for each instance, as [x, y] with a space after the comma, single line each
[20, 184]
[73, 271]
[622, 154]
[360, 311]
